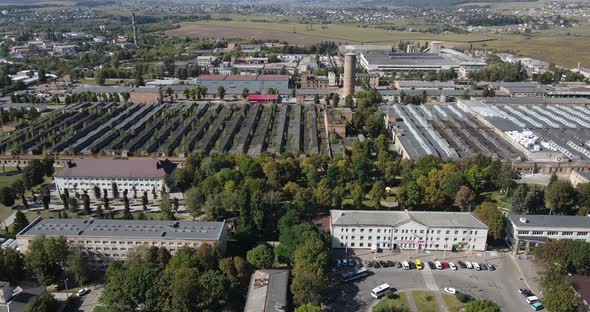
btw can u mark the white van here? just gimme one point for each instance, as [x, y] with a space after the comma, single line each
[475, 266]
[468, 265]
[438, 265]
[406, 265]
[532, 299]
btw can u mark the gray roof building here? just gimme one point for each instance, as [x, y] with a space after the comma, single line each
[533, 222]
[139, 229]
[441, 219]
[268, 291]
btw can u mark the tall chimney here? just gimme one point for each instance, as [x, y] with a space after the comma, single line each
[349, 74]
[134, 29]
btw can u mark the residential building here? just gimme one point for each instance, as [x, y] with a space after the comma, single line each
[104, 240]
[523, 232]
[139, 175]
[419, 230]
[313, 82]
[268, 291]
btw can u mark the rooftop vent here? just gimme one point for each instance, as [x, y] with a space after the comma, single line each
[523, 220]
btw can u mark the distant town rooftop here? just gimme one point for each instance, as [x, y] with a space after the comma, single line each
[104, 228]
[116, 168]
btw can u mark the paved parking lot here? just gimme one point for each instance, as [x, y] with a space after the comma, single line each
[500, 286]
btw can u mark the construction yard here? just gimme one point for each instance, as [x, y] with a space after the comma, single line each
[174, 130]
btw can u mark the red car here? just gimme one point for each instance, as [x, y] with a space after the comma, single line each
[445, 265]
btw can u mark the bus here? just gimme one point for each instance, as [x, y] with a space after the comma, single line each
[378, 291]
[356, 274]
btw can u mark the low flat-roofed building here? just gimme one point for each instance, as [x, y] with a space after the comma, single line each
[105, 240]
[523, 232]
[268, 291]
[419, 230]
[141, 175]
[235, 84]
[419, 84]
[577, 177]
[523, 91]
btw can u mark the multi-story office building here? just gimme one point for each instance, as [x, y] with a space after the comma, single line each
[421, 230]
[523, 232]
[105, 240]
[139, 175]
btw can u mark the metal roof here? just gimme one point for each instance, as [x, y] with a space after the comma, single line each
[549, 221]
[104, 228]
[268, 291]
[431, 219]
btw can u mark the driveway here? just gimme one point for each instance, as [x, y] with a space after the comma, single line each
[91, 299]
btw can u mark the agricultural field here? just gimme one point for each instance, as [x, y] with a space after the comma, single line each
[167, 130]
[564, 47]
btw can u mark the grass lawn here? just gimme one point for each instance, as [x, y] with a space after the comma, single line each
[495, 198]
[100, 309]
[425, 301]
[8, 180]
[452, 303]
[401, 303]
[4, 212]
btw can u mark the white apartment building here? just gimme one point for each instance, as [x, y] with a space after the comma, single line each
[139, 175]
[420, 230]
[103, 240]
[523, 232]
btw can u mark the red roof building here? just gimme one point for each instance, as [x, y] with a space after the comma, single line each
[263, 98]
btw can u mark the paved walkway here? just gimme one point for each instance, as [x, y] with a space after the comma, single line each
[411, 302]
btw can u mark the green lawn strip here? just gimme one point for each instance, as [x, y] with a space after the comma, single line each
[399, 303]
[452, 303]
[425, 301]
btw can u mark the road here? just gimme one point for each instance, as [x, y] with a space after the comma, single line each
[90, 301]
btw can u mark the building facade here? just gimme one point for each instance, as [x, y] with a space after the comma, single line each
[419, 230]
[131, 175]
[524, 232]
[105, 240]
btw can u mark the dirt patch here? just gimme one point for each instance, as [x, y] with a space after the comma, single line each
[202, 31]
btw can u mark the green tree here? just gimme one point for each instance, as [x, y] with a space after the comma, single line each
[464, 198]
[357, 195]
[12, 266]
[194, 200]
[261, 257]
[220, 92]
[492, 217]
[77, 265]
[560, 197]
[245, 93]
[99, 77]
[308, 308]
[7, 196]
[482, 305]
[42, 303]
[377, 193]
[20, 222]
[308, 288]
[348, 101]
[131, 288]
[46, 257]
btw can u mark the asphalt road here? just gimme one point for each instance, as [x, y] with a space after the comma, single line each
[500, 286]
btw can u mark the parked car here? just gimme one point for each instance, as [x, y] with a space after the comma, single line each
[412, 265]
[525, 292]
[383, 264]
[390, 263]
[419, 264]
[491, 267]
[452, 266]
[376, 264]
[82, 292]
[483, 266]
[450, 290]
[369, 264]
[445, 264]
[531, 299]
[476, 266]
[438, 265]
[537, 305]
[431, 265]
[468, 265]
[406, 265]
[398, 264]
[462, 264]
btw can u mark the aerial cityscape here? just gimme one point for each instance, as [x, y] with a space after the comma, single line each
[295, 156]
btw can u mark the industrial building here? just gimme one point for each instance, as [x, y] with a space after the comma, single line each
[139, 175]
[235, 84]
[388, 62]
[539, 135]
[105, 240]
[523, 232]
[419, 230]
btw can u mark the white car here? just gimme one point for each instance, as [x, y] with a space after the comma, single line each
[468, 265]
[450, 290]
[452, 266]
[438, 265]
[82, 292]
[475, 266]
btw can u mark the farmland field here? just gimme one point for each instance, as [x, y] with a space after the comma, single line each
[565, 47]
